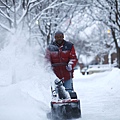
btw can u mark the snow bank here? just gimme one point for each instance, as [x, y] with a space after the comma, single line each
[109, 80]
[28, 98]
[113, 81]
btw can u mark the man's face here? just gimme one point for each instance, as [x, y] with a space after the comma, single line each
[59, 38]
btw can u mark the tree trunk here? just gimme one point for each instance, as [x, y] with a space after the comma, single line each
[15, 21]
[117, 47]
[118, 57]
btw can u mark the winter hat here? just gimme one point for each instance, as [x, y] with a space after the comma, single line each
[59, 32]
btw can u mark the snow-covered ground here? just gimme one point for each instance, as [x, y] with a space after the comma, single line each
[99, 94]
[25, 90]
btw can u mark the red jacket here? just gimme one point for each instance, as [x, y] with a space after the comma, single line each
[60, 57]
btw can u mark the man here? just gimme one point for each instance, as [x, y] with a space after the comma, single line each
[61, 54]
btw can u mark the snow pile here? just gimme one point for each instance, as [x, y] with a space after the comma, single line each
[113, 81]
[27, 98]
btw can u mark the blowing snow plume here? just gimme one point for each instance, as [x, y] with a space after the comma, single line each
[19, 61]
[24, 81]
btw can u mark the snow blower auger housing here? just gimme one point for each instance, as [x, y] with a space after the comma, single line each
[64, 105]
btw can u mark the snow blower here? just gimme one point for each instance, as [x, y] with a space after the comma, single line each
[64, 104]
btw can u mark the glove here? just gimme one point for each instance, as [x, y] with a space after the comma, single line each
[69, 67]
[58, 82]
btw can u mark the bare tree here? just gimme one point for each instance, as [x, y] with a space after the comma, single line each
[41, 17]
[109, 14]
